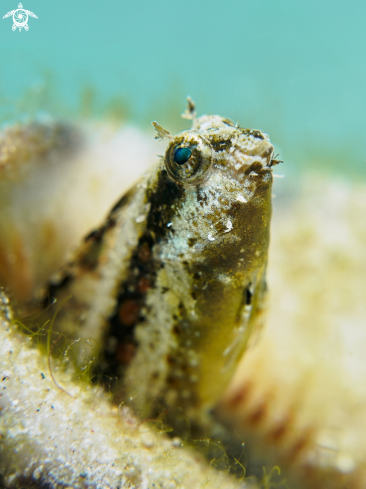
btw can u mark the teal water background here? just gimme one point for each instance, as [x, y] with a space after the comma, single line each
[296, 70]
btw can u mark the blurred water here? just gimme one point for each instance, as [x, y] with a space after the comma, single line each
[294, 69]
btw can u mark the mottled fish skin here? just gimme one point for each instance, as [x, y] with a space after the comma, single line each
[170, 288]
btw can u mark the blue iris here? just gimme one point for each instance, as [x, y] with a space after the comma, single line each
[182, 155]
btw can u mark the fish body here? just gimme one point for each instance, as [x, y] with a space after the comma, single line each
[169, 289]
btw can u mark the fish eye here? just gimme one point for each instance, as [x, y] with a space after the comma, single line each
[182, 155]
[188, 158]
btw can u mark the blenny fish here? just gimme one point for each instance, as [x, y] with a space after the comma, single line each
[170, 288]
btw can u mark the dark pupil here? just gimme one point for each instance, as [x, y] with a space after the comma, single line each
[182, 155]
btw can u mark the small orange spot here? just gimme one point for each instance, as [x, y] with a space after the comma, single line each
[240, 396]
[129, 312]
[299, 446]
[258, 413]
[279, 431]
[144, 253]
[143, 285]
[125, 353]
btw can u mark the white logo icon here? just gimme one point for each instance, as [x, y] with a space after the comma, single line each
[20, 17]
